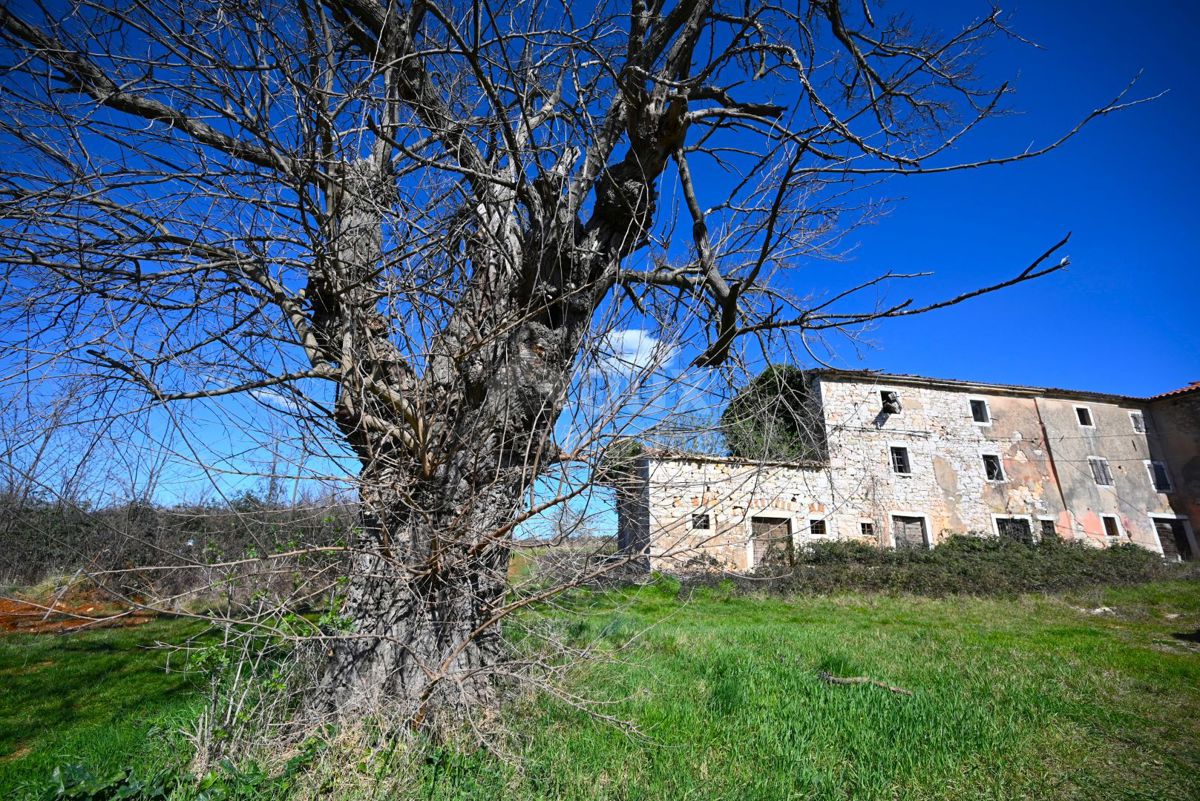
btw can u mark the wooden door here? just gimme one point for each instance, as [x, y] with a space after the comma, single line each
[909, 532]
[772, 538]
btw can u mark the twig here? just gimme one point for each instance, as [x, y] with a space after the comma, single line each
[831, 679]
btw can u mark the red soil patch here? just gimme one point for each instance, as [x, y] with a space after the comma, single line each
[72, 612]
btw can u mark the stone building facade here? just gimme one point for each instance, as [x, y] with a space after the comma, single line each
[910, 460]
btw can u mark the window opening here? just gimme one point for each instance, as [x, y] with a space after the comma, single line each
[992, 467]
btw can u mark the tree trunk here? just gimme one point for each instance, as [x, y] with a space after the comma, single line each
[427, 577]
[445, 467]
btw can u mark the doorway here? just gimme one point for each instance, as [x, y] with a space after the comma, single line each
[1173, 536]
[772, 541]
[909, 532]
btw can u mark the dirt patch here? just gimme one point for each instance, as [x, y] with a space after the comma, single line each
[20, 752]
[70, 613]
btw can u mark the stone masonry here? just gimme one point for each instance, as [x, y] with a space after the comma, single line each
[1020, 461]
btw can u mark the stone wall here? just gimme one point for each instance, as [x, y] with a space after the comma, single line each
[729, 494]
[633, 509]
[1175, 420]
[700, 510]
[947, 485]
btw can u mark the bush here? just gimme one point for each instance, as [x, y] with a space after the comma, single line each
[40, 540]
[773, 418]
[964, 565]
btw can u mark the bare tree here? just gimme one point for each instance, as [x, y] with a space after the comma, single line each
[415, 226]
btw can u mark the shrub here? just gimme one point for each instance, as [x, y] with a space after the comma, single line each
[773, 418]
[966, 565]
[40, 539]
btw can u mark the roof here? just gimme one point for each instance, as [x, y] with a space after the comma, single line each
[1192, 387]
[672, 455]
[981, 386]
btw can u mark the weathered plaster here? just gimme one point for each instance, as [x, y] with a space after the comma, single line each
[1174, 423]
[1043, 450]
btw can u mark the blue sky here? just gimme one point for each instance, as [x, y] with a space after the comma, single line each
[1123, 317]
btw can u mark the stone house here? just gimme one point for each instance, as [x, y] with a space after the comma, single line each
[909, 460]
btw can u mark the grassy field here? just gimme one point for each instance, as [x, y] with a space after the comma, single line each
[1033, 698]
[102, 698]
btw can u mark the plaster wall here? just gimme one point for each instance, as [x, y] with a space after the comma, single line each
[1131, 498]
[1175, 424]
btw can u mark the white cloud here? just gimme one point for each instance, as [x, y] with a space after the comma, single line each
[275, 399]
[634, 350]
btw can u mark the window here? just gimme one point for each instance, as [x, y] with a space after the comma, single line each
[1139, 422]
[992, 467]
[1159, 476]
[1084, 414]
[1049, 530]
[867, 529]
[1112, 529]
[817, 528]
[1100, 471]
[1014, 528]
[900, 462]
[701, 521]
[890, 400]
[980, 412]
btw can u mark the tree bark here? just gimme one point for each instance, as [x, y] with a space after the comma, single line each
[426, 579]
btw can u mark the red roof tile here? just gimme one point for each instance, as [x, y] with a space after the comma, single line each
[1192, 387]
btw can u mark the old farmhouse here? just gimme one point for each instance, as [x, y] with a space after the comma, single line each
[906, 461]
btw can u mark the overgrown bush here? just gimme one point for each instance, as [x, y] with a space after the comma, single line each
[963, 564]
[154, 551]
[773, 418]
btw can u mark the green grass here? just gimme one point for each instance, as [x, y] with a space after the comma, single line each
[101, 698]
[1012, 699]
[1032, 698]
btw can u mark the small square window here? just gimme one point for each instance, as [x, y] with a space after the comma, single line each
[867, 529]
[1100, 471]
[1112, 529]
[1049, 530]
[817, 528]
[1159, 476]
[890, 401]
[1139, 422]
[701, 521]
[1084, 415]
[980, 412]
[900, 463]
[993, 468]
